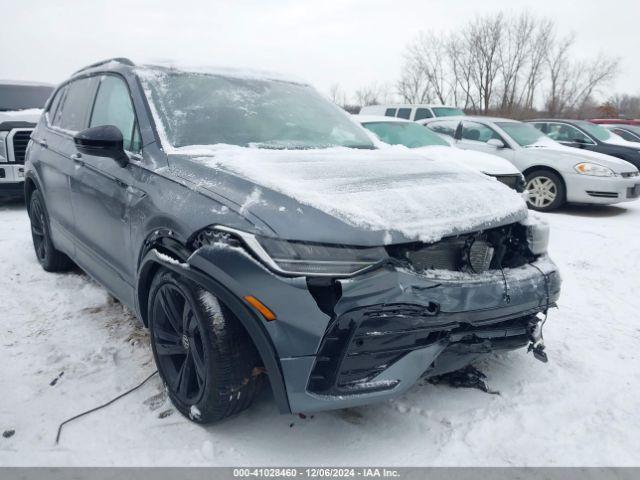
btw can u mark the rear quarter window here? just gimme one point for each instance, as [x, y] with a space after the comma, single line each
[52, 113]
[390, 112]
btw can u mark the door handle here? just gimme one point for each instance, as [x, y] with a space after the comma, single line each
[43, 143]
[77, 158]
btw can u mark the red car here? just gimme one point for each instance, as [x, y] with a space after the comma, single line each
[617, 121]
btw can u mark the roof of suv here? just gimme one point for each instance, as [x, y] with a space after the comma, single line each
[119, 63]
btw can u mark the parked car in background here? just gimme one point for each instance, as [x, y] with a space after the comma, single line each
[21, 104]
[589, 136]
[396, 131]
[252, 225]
[554, 173]
[616, 121]
[412, 112]
[629, 132]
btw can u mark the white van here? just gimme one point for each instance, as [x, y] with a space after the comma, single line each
[412, 112]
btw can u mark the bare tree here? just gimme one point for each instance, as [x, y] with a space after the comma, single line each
[373, 94]
[413, 86]
[627, 106]
[572, 83]
[337, 95]
[506, 64]
[484, 36]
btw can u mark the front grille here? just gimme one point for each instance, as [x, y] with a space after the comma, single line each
[602, 194]
[503, 247]
[20, 142]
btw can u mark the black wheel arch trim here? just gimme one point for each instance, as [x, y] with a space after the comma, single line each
[249, 319]
[547, 168]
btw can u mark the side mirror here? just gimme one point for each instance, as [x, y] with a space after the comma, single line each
[494, 142]
[102, 141]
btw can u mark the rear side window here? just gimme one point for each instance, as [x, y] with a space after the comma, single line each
[113, 107]
[77, 103]
[561, 132]
[478, 132]
[626, 135]
[390, 112]
[422, 113]
[404, 113]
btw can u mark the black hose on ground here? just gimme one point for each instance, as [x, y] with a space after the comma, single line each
[102, 406]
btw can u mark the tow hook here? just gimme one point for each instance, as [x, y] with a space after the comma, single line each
[537, 342]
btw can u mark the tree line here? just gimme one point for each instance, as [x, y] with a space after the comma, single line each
[511, 65]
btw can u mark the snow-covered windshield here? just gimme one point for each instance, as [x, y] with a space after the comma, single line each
[410, 135]
[23, 97]
[525, 135]
[210, 109]
[447, 111]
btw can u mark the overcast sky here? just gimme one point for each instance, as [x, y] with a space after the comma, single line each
[350, 42]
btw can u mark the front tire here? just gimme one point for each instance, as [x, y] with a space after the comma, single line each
[49, 258]
[204, 356]
[546, 190]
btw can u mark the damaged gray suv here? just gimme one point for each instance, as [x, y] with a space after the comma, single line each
[260, 234]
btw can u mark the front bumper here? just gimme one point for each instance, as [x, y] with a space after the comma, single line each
[11, 180]
[601, 190]
[385, 329]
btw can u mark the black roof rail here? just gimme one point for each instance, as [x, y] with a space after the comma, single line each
[124, 61]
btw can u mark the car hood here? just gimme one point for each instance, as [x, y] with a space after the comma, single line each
[350, 196]
[482, 162]
[31, 115]
[570, 156]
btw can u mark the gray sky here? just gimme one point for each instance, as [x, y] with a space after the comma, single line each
[350, 42]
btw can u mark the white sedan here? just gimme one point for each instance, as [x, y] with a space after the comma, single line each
[397, 131]
[555, 174]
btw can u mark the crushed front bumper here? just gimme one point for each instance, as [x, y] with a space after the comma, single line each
[385, 329]
[11, 180]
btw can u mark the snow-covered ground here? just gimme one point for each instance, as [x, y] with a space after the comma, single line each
[66, 347]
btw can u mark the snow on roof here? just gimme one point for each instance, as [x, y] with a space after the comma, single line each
[391, 189]
[242, 73]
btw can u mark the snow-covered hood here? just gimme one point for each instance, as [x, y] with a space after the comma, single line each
[31, 115]
[569, 156]
[482, 162]
[350, 196]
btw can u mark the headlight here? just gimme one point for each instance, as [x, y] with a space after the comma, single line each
[537, 234]
[312, 259]
[3, 146]
[593, 169]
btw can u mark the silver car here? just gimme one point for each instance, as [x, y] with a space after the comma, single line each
[555, 174]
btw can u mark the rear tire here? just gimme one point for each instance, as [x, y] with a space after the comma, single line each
[49, 258]
[204, 356]
[546, 190]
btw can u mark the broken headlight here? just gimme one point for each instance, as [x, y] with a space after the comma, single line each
[537, 235]
[311, 259]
